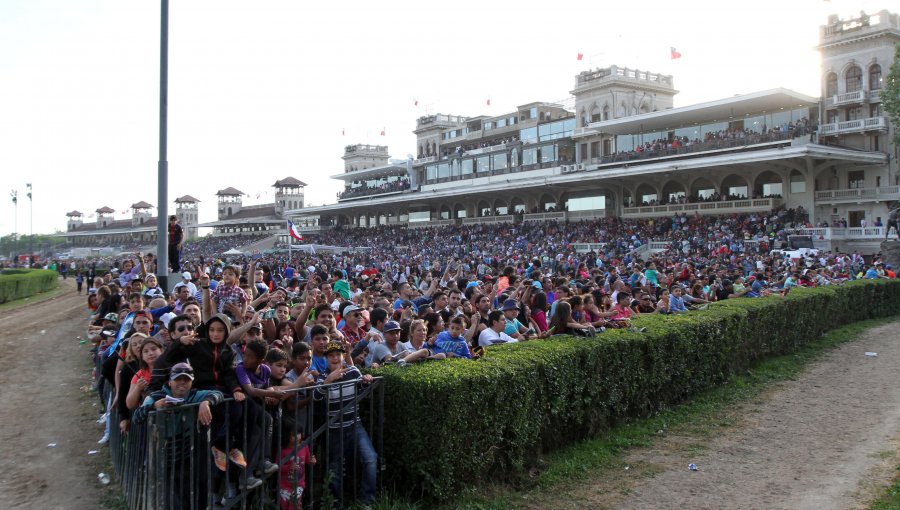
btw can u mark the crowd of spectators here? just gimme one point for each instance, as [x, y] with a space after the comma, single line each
[364, 190]
[215, 246]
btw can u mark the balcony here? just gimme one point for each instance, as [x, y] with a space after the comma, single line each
[842, 234]
[483, 220]
[565, 215]
[839, 196]
[853, 126]
[704, 208]
[855, 97]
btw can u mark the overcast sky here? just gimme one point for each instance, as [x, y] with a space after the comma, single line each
[262, 90]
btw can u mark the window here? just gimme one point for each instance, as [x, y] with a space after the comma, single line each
[831, 85]
[528, 135]
[548, 153]
[798, 182]
[595, 149]
[853, 79]
[415, 216]
[875, 77]
[467, 165]
[854, 113]
[483, 164]
[529, 156]
[499, 161]
[856, 179]
[832, 116]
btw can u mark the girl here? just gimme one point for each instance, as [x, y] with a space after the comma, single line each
[562, 323]
[293, 459]
[150, 349]
[126, 368]
[539, 311]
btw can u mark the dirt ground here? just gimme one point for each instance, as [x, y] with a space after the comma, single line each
[828, 440]
[42, 401]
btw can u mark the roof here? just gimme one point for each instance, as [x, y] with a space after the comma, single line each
[288, 181]
[229, 192]
[74, 213]
[114, 225]
[187, 199]
[141, 205]
[104, 210]
[264, 211]
[711, 111]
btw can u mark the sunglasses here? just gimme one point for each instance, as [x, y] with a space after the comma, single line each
[184, 328]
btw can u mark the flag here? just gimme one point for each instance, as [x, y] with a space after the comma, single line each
[415, 102]
[489, 102]
[675, 53]
[382, 131]
[580, 56]
[343, 131]
[257, 195]
[295, 233]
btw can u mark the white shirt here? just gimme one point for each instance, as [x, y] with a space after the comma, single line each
[489, 337]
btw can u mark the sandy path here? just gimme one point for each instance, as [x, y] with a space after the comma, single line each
[829, 439]
[41, 402]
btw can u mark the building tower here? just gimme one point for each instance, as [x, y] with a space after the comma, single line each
[75, 220]
[229, 202]
[362, 156]
[104, 216]
[187, 212]
[140, 213]
[288, 195]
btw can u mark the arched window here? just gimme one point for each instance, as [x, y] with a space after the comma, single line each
[831, 85]
[853, 79]
[606, 112]
[875, 77]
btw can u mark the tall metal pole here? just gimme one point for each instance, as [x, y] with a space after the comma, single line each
[162, 216]
[15, 199]
[30, 223]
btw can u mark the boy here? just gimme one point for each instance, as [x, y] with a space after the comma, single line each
[253, 376]
[451, 342]
[229, 291]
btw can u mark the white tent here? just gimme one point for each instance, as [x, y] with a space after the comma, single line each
[233, 251]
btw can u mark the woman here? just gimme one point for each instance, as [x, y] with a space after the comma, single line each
[539, 311]
[419, 343]
[150, 349]
[593, 315]
[434, 324]
[562, 323]
[126, 368]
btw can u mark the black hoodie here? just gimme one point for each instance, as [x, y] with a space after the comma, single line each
[213, 363]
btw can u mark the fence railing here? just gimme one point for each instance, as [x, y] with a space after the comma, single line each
[325, 440]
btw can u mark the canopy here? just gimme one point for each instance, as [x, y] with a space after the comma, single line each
[233, 251]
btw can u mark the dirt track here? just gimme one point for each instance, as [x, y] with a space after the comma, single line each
[42, 402]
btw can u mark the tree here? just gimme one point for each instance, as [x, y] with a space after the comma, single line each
[890, 95]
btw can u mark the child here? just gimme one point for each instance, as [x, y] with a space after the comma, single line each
[451, 342]
[79, 281]
[150, 349]
[253, 376]
[292, 478]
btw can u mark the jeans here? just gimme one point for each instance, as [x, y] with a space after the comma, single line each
[356, 447]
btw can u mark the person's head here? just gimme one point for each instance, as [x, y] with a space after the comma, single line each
[218, 327]
[181, 379]
[254, 333]
[391, 332]
[417, 332]
[483, 304]
[133, 349]
[497, 320]
[136, 301]
[142, 322]
[378, 317]
[510, 309]
[179, 326]
[677, 291]
[254, 354]
[230, 275]
[334, 354]
[318, 335]
[301, 355]
[325, 316]
[435, 323]
[278, 362]
[440, 300]
[127, 265]
[192, 310]
[150, 349]
[453, 299]
[136, 285]
[282, 311]
[457, 326]
[183, 293]
[173, 219]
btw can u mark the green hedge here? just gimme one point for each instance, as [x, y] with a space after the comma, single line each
[23, 283]
[457, 423]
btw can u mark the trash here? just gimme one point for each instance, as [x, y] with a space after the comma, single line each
[627, 468]
[692, 466]
[51, 445]
[104, 478]
[92, 452]
[82, 342]
[43, 331]
[872, 354]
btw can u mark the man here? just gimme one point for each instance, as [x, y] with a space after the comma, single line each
[494, 334]
[513, 327]
[186, 280]
[182, 296]
[380, 353]
[176, 240]
[179, 327]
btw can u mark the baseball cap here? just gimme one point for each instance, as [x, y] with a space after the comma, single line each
[538, 285]
[186, 275]
[391, 326]
[181, 369]
[166, 317]
[473, 284]
[510, 304]
[334, 347]
[350, 309]
[111, 317]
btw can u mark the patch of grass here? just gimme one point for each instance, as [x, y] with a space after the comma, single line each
[703, 416]
[61, 289]
[890, 500]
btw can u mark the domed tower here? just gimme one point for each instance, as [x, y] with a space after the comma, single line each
[186, 211]
[75, 220]
[288, 195]
[140, 213]
[229, 202]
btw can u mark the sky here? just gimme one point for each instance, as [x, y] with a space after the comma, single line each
[259, 91]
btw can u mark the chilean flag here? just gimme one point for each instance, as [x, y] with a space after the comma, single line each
[295, 233]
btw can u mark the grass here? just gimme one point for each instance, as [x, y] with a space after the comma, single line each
[701, 417]
[890, 500]
[60, 289]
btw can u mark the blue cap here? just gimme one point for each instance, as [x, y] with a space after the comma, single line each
[510, 304]
[538, 285]
[473, 284]
[391, 326]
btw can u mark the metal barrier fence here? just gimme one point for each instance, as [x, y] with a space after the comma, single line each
[165, 460]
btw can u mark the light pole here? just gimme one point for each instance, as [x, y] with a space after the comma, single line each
[30, 223]
[162, 167]
[15, 198]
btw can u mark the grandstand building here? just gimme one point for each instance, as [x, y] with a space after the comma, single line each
[627, 152]
[126, 234]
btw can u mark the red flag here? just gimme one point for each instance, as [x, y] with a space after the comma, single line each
[488, 102]
[675, 53]
[580, 56]
[382, 131]
[416, 102]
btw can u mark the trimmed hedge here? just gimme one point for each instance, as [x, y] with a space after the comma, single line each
[23, 283]
[454, 423]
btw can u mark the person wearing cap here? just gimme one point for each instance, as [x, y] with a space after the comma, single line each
[347, 438]
[512, 328]
[177, 437]
[152, 289]
[389, 350]
[186, 280]
[162, 323]
[353, 329]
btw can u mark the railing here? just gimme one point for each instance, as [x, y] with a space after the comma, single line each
[738, 206]
[875, 96]
[505, 218]
[588, 247]
[857, 194]
[165, 461]
[546, 216]
[853, 126]
[431, 223]
[841, 233]
[857, 96]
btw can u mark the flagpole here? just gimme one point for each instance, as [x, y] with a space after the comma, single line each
[290, 242]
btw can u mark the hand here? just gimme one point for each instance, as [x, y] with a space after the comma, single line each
[335, 375]
[161, 403]
[204, 415]
[189, 338]
[367, 378]
[239, 396]
[204, 280]
[123, 426]
[141, 384]
[272, 401]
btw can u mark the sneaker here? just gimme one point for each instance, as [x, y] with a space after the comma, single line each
[269, 467]
[102, 419]
[237, 457]
[219, 458]
[250, 483]
[104, 439]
